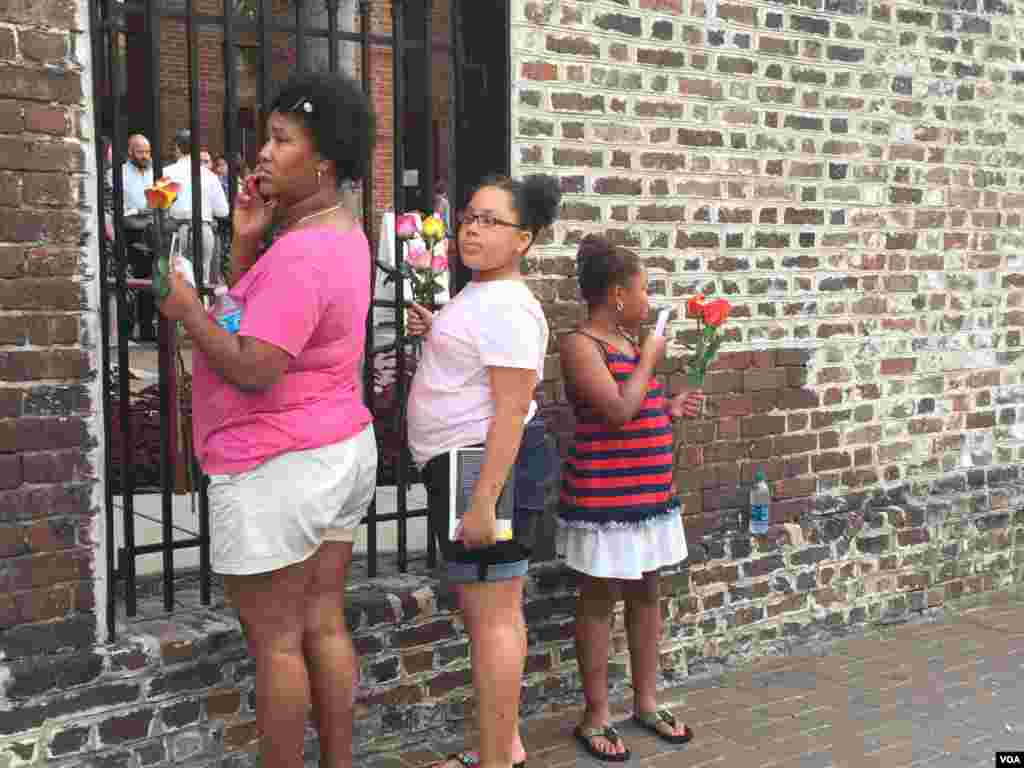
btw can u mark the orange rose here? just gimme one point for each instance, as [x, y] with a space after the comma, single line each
[162, 194]
[716, 312]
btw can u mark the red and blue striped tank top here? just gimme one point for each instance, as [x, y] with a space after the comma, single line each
[618, 476]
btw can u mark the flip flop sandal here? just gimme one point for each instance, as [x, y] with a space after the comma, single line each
[470, 759]
[651, 721]
[586, 738]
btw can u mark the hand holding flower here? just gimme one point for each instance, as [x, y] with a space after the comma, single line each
[687, 403]
[418, 320]
[180, 299]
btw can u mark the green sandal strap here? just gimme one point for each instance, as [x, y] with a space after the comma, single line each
[657, 717]
[608, 732]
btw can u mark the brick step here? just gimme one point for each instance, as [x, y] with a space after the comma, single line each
[184, 684]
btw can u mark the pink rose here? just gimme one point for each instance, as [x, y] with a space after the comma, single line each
[416, 254]
[405, 226]
[439, 263]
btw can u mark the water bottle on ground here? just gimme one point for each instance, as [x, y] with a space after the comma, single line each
[760, 501]
[227, 312]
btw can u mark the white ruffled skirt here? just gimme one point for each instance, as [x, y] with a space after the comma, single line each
[623, 552]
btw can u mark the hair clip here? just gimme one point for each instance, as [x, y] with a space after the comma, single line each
[303, 104]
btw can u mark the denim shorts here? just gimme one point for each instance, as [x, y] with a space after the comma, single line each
[505, 559]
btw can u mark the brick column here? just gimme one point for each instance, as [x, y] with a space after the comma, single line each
[50, 422]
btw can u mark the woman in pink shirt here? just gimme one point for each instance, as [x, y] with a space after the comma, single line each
[280, 425]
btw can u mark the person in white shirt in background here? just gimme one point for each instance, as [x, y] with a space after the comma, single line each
[213, 203]
[139, 243]
[137, 173]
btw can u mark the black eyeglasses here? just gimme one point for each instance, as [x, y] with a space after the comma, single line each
[486, 220]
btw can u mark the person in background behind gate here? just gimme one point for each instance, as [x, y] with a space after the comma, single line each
[619, 520]
[279, 422]
[213, 204]
[482, 359]
[220, 170]
[137, 172]
[139, 232]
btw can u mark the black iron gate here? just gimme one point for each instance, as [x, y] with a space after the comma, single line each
[134, 43]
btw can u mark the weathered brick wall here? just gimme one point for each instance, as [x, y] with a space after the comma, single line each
[49, 421]
[847, 173]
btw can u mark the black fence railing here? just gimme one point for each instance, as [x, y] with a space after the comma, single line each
[147, 429]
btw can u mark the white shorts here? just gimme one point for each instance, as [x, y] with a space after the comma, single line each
[278, 514]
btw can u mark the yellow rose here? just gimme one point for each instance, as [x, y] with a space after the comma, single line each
[432, 229]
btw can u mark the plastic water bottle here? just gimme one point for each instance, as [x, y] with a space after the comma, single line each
[760, 500]
[226, 311]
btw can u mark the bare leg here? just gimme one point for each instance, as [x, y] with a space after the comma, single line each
[271, 607]
[594, 608]
[329, 654]
[643, 628]
[518, 750]
[497, 634]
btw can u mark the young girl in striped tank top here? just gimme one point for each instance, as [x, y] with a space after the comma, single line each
[619, 520]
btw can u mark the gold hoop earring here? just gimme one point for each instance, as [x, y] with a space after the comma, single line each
[319, 175]
[619, 307]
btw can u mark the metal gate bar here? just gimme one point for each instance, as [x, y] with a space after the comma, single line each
[108, 22]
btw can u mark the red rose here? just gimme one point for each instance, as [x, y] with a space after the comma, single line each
[716, 312]
[695, 306]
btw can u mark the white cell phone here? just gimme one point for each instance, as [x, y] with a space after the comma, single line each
[659, 329]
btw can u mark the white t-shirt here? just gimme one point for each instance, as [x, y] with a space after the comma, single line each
[213, 203]
[496, 324]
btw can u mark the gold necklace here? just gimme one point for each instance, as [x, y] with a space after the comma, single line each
[314, 214]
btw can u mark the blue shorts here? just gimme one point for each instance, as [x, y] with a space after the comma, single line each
[505, 559]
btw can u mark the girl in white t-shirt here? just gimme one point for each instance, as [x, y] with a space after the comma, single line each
[482, 359]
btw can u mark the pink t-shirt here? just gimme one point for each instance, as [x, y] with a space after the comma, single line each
[308, 295]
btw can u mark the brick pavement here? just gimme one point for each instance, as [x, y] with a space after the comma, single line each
[942, 694]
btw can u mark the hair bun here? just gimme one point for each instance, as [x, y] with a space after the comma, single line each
[594, 247]
[542, 196]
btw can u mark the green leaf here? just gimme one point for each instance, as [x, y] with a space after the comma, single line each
[713, 347]
[161, 285]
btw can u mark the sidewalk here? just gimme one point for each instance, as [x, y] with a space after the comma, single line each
[939, 694]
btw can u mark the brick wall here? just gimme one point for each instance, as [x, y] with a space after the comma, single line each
[48, 357]
[49, 423]
[848, 175]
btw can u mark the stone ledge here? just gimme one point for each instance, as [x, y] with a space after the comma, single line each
[180, 689]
